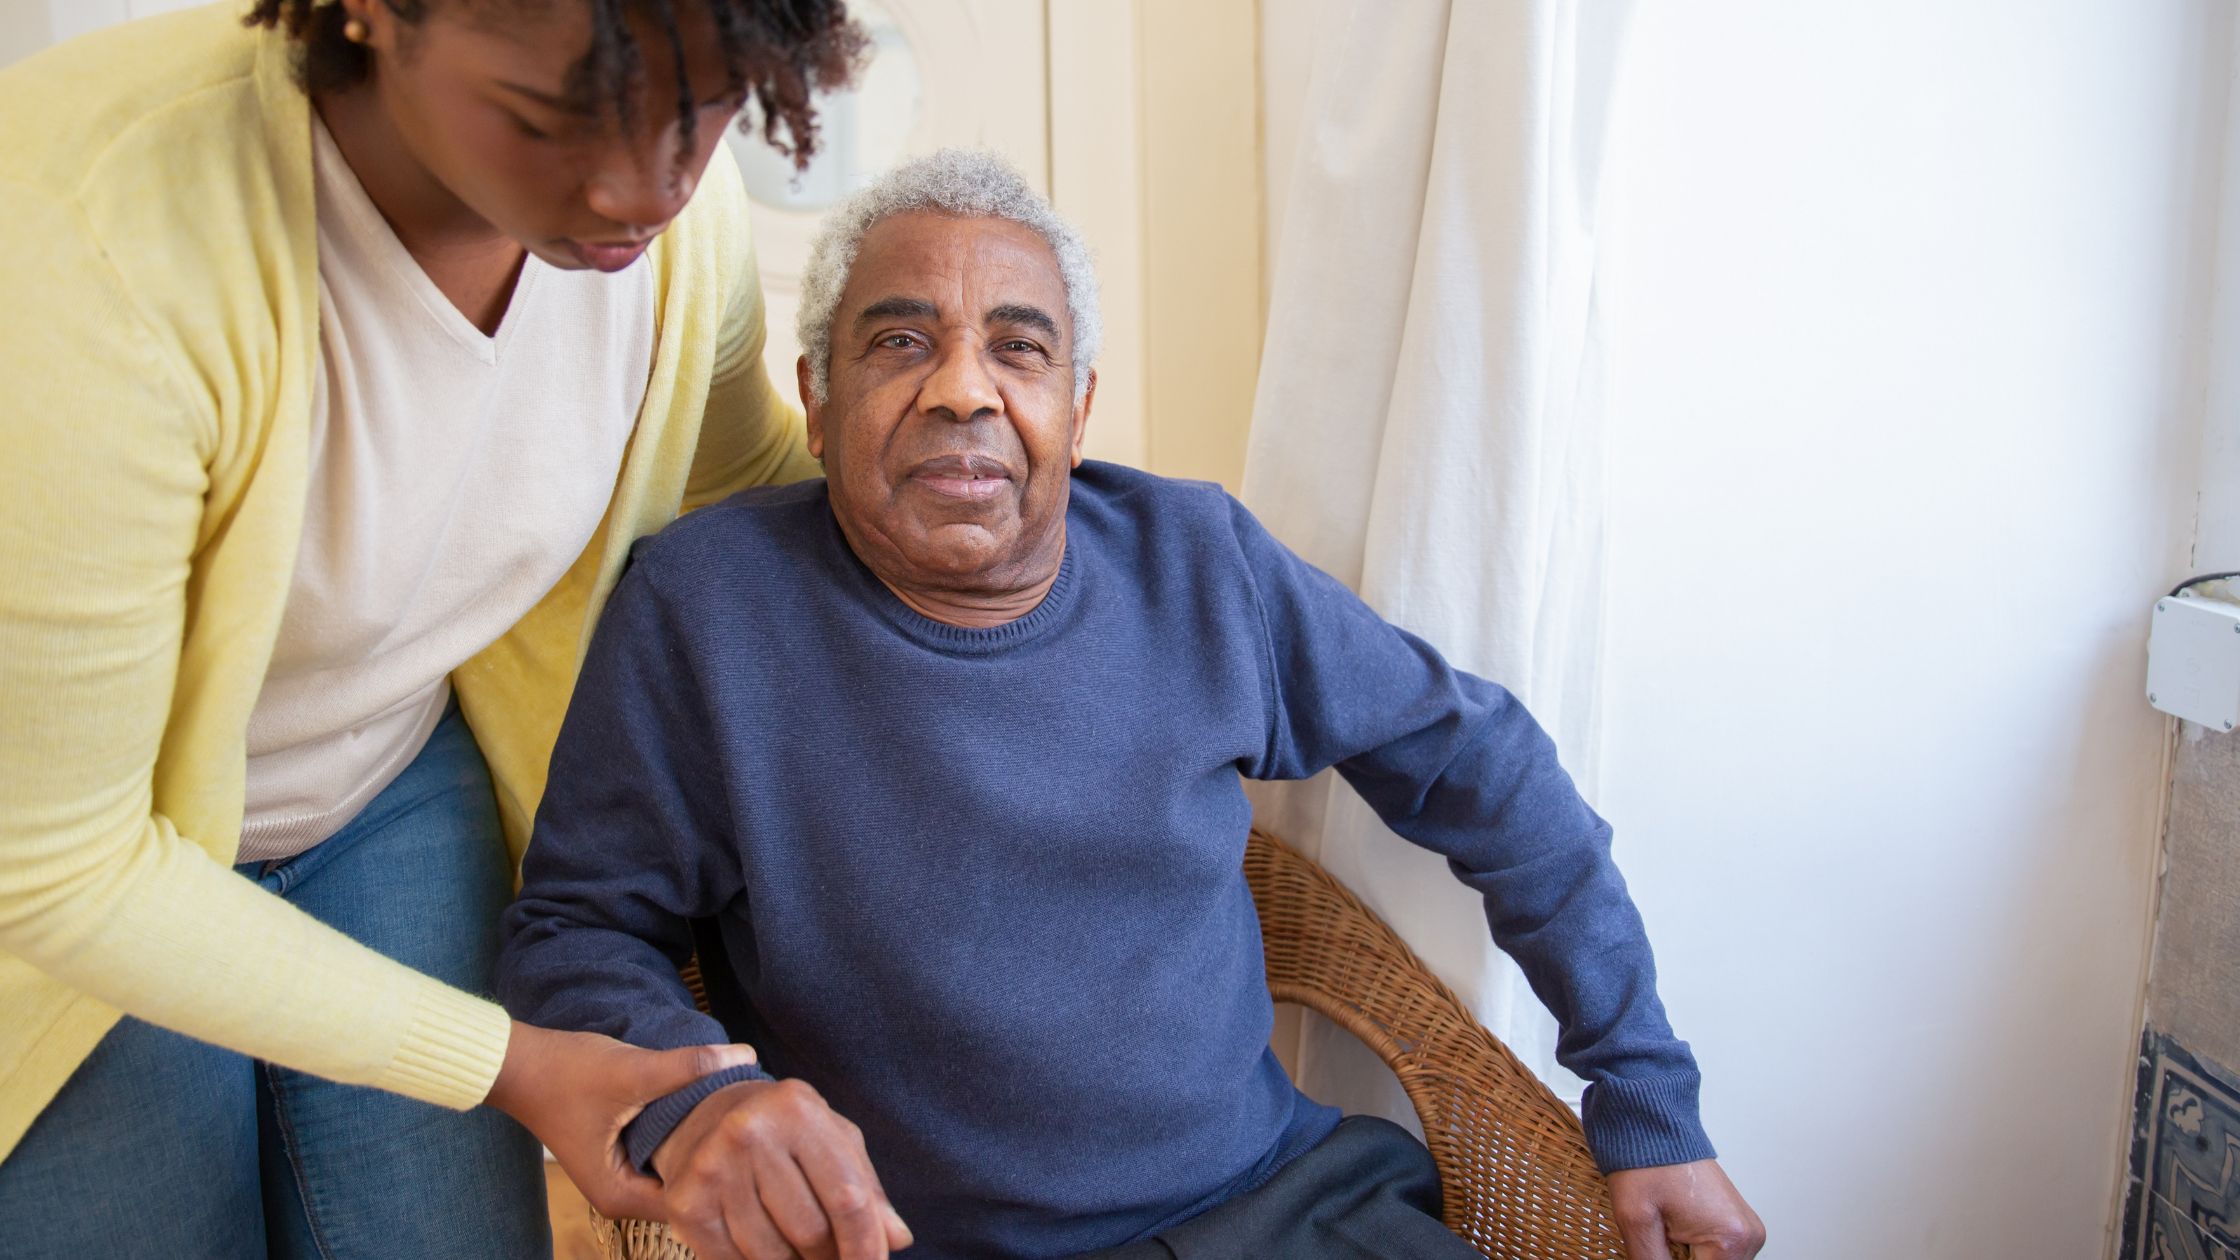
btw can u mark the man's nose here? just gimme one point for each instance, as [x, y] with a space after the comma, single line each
[960, 387]
[639, 194]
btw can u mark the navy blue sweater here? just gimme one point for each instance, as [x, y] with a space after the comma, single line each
[982, 888]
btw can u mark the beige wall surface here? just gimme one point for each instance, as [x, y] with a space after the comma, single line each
[1096, 182]
[2195, 992]
[1201, 242]
[1156, 156]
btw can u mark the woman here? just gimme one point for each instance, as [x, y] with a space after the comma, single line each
[344, 351]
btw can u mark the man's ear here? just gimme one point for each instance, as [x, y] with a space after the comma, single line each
[810, 407]
[1081, 416]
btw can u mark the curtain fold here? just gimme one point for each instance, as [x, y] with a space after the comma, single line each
[1428, 423]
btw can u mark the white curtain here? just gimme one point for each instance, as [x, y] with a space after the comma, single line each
[1428, 424]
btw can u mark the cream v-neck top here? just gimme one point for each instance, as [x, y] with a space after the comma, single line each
[454, 478]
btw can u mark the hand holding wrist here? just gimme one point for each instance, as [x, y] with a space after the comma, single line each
[768, 1164]
[576, 1091]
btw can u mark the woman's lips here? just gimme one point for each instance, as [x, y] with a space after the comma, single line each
[607, 257]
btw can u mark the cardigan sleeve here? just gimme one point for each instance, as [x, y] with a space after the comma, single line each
[751, 435]
[109, 438]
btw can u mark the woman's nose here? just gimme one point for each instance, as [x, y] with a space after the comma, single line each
[639, 195]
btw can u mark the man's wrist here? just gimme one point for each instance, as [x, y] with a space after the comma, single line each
[646, 1133]
[1645, 1122]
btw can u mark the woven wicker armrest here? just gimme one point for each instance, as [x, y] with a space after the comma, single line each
[1518, 1180]
[1514, 1167]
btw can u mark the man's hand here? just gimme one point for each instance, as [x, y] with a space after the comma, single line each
[575, 1091]
[1684, 1203]
[765, 1170]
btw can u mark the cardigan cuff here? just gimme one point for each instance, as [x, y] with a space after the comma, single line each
[452, 1049]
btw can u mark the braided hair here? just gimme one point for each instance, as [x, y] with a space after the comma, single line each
[778, 52]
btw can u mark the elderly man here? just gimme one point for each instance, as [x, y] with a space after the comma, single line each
[943, 757]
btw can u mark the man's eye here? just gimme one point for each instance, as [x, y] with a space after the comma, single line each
[898, 341]
[1016, 346]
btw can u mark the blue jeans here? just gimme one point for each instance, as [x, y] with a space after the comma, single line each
[166, 1147]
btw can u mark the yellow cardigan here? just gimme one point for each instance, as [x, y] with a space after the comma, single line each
[158, 343]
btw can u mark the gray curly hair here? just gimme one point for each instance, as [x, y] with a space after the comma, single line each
[963, 182]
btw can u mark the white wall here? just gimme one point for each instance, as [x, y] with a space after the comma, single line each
[1903, 435]
[1905, 303]
[26, 26]
[2217, 533]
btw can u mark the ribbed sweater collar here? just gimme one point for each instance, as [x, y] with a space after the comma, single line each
[940, 635]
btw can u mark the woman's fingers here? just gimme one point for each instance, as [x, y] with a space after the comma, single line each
[657, 1073]
[621, 1192]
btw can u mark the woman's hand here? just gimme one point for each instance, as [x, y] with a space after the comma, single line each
[575, 1091]
[764, 1170]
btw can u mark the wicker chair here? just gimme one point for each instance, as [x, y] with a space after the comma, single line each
[1519, 1182]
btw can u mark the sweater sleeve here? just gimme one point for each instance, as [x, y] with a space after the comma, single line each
[751, 435]
[1454, 763]
[630, 843]
[101, 514]
[630, 846]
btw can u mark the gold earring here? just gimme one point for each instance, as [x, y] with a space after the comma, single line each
[354, 30]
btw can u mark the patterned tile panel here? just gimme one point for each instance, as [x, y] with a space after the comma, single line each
[2184, 1196]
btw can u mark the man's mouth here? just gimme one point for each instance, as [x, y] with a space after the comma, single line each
[969, 477]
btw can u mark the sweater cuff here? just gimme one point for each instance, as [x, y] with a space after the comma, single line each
[644, 1135]
[1646, 1122]
[451, 1050]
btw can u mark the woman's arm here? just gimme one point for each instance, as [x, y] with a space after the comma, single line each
[109, 441]
[750, 435]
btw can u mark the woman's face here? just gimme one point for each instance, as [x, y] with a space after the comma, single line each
[479, 92]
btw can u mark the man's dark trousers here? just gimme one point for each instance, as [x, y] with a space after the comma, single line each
[1369, 1191]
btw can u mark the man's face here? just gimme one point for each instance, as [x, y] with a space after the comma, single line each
[950, 430]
